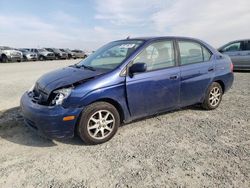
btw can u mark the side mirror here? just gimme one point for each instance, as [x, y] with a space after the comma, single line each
[137, 67]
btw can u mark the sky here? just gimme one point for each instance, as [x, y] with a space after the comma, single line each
[89, 24]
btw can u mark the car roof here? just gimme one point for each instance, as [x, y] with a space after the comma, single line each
[160, 37]
[240, 40]
[149, 39]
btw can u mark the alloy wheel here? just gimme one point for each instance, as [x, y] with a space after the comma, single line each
[101, 124]
[214, 96]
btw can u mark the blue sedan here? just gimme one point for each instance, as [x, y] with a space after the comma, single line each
[123, 81]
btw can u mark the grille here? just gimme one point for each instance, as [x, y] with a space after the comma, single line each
[50, 55]
[39, 96]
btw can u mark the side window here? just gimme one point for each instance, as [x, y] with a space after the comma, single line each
[157, 56]
[206, 54]
[190, 52]
[247, 47]
[232, 47]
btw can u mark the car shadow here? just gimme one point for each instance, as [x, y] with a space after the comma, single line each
[13, 129]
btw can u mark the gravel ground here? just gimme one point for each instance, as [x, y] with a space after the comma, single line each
[16, 78]
[185, 148]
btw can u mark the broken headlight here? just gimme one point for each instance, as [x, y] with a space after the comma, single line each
[61, 95]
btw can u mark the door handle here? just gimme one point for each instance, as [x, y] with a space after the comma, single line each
[174, 77]
[211, 69]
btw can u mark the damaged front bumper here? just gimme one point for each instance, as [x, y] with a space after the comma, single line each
[48, 120]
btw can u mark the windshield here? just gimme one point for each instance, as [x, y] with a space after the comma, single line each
[56, 50]
[5, 48]
[23, 50]
[42, 50]
[111, 55]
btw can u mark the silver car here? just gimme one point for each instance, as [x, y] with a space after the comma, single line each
[10, 54]
[79, 54]
[239, 52]
[28, 56]
[43, 54]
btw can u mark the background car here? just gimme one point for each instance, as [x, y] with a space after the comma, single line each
[10, 54]
[239, 52]
[43, 54]
[58, 53]
[69, 53]
[79, 54]
[88, 53]
[28, 55]
[0, 55]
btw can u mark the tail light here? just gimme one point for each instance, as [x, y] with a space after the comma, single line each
[232, 67]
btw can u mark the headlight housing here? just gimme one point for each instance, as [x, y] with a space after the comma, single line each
[7, 53]
[61, 95]
[32, 88]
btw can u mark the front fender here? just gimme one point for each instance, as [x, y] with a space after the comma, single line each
[114, 93]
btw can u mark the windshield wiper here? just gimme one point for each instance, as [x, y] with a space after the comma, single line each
[88, 67]
[84, 66]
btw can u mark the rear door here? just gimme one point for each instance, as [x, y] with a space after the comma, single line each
[158, 88]
[236, 52]
[196, 69]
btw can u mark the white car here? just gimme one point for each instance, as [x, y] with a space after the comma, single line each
[10, 54]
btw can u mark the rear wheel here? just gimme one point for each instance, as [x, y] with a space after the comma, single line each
[99, 122]
[213, 97]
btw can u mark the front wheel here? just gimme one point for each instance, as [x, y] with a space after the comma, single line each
[41, 58]
[213, 96]
[98, 123]
[4, 59]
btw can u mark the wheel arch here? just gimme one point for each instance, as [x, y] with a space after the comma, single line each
[221, 84]
[3, 55]
[115, 104]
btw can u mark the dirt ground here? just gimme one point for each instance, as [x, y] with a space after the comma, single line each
[185, 148]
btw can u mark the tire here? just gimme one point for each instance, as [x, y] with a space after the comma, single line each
[95, 130]
[213, 97]
[4, 59]
[25, 58]
[41, 58]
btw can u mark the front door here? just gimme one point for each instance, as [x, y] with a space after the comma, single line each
[157, 89]
[245, 56]
[235, 52]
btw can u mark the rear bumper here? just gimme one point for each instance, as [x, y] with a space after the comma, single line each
[48, 121]
[228, 81]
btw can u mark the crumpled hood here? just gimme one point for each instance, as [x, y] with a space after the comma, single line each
[64, 77]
